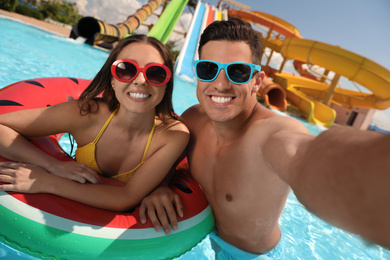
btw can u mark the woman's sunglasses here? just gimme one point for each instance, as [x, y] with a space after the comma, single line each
[236, 72]
[127, 70]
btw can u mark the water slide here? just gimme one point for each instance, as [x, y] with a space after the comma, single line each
[316, 112]
[183, 65]
[272, 22]
[203, 16]
[313, 97]
[96, 31]
[272, 95]
[356, 68]
[163, 28]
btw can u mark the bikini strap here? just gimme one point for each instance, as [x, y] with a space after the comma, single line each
[105, 126]
[149, 141]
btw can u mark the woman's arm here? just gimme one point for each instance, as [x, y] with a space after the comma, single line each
[33, 179]
[15, 127]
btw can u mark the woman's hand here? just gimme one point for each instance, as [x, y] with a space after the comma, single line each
[24, 178]
[75, 171]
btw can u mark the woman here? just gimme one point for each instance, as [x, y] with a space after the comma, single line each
[130, 133]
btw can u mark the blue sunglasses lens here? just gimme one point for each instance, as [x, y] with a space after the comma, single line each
[237, 72]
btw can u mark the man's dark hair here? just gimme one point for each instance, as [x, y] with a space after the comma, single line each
[236, 30]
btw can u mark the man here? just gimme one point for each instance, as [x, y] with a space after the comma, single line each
[246, 157]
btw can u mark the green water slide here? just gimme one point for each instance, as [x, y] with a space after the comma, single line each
[163, 28]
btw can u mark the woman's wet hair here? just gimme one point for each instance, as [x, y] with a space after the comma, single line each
[100, 88]
[234, 30]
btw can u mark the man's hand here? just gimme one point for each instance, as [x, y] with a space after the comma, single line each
[162, 201]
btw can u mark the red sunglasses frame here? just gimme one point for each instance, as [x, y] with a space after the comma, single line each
[140, 69]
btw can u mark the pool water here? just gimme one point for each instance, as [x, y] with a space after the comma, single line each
[27, 52]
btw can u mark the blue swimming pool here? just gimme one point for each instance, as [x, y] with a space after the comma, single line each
[27, 52]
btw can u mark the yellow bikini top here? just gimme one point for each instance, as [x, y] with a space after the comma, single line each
[86, 153]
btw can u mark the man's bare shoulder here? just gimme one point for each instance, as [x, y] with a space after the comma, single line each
[268, 121]
[171, 131]
[192, 115]
[192, 111]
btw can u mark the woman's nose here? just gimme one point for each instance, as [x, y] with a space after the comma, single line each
[140, 79]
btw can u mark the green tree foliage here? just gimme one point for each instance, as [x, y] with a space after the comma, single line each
[63, 12]
[8, 5]
[60, 11]
[28, 11]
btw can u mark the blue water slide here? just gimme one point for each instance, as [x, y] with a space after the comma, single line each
[183, 66]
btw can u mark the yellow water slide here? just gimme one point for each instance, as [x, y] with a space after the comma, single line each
[272, 22]
[298, 92]
[356, 68]
[95, 30]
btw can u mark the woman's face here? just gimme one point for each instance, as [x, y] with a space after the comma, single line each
[139, 95]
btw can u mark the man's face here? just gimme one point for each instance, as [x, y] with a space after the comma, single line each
[222, 99]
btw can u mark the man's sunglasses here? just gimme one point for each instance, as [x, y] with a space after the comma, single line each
[236, 72]
[127, 70]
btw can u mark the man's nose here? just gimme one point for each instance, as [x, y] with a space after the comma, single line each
[221, 82]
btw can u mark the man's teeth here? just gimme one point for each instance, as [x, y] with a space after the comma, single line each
[138, 95]
[221, 100]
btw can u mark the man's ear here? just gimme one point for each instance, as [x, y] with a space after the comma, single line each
[259, 77]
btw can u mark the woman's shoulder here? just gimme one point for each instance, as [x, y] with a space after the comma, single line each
[66, 111]
[72, 111]
[93, 107]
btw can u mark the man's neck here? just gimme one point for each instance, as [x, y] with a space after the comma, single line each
[232, 129]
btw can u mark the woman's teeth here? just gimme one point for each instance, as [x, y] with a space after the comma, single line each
[139, 95]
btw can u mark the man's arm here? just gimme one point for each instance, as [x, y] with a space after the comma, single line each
[163, 204]
[343, 176]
